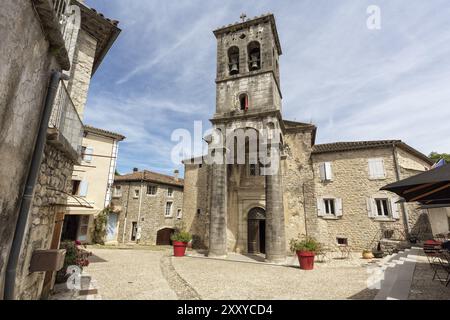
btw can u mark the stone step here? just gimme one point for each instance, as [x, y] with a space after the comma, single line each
[398, 276]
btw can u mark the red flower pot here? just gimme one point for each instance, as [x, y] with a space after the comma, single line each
[306, 259]
[179, 248]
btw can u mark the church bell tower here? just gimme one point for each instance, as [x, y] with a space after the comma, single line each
[248, 96]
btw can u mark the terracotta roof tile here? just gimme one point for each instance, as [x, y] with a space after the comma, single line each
[151, 177]
[352, 145]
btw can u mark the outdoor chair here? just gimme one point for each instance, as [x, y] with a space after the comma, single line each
[344, 249]
[322, 253]
[444, 261]
[432, 250]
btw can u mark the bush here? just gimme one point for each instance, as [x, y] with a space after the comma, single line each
[100, 222]
[181, 236]
[304, 243]
[76, 255]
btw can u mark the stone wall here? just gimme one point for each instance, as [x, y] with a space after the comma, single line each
[196, 202]
[298, 182]
[151, 218]
[352, 184]
[81, 70]
[49, 199]
[25, 64]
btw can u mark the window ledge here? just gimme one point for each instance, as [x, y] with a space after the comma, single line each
[377, 179]
[384, 219]
[330, 218]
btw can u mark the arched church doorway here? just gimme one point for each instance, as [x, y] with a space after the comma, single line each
[256, 231]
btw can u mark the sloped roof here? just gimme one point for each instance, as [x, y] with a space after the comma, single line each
[104, 132]
[358, 145]
[150, 176]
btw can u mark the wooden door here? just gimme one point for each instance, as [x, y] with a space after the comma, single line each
[253, 236]
[56, 237]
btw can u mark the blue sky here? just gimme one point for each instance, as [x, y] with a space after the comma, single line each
[352, 82]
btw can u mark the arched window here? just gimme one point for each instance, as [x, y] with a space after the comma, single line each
[254, 56]
[243, 102]
[233, 60]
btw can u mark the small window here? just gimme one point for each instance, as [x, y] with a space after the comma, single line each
[330, 207]
[170, 192]
[243, 102]
[168, 212]
[179, 214]
[75, 187]
[136, 193]
[376, 168]
[117, 191]
[383, 209]
[86, 154]
[151, 190]
[199, 211]
[253, 170]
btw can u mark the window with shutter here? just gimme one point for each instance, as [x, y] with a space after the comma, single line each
[376, 168]
[395, 209]
[88, 152]
[326, 173]
[83, 188]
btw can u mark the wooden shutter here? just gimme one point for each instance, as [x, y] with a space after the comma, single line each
[395, 209]
[328, 171]
[376, 168]
[83, 188]
[322, 172]
[88, 154]
[320, 207]
[371, 207]
[338, 203]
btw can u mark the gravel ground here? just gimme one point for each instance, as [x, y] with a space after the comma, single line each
[228, 280]
[129, 274]
[145, 274]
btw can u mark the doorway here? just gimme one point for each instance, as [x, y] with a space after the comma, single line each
[163, 237]
[111, 229]
[256, 231]
[70, 228]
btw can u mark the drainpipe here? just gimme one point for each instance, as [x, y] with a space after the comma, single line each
[27, 197]
[402, 204]
[139, 209]
[126, 214]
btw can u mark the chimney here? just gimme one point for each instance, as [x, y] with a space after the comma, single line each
[176, 174]
[135, 169]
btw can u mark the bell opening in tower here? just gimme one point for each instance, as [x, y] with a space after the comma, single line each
[254, 56]
[233, 60]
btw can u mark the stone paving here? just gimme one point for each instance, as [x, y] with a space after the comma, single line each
[145, 274]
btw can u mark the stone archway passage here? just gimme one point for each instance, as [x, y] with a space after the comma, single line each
[163, 237]
[256, 234]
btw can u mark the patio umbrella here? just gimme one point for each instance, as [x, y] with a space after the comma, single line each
[428, 188]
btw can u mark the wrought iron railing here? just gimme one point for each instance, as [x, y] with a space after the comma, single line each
[65, 118]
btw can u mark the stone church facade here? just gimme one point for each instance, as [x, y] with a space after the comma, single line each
[328, 191]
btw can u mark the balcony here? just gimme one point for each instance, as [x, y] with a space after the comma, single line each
[65, 126]
[60, 22]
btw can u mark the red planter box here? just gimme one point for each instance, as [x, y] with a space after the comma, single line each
[179, 248]
[306, 259]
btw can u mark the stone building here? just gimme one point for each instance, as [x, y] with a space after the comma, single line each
[92, 182]
[149, 207]
[329, 191]
[49, 52]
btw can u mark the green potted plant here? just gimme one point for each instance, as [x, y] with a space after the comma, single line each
[180, 240]
[305, 248]
[76, 255]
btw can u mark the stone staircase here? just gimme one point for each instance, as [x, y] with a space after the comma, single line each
[397, 274]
